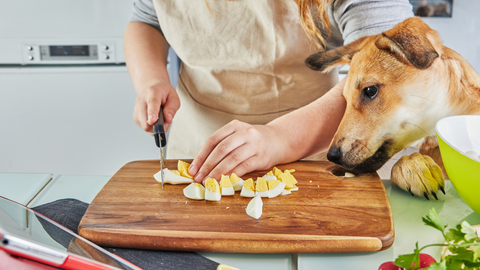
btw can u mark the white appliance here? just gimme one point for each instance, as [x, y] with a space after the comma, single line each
[66, 99]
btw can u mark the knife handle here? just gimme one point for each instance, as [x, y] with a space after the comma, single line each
[159, 130]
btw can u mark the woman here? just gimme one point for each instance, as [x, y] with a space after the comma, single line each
[244, 61]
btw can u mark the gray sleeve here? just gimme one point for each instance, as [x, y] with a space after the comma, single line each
[359, 18]
[144, 11]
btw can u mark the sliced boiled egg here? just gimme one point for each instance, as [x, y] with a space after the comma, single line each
[347, 174]
[248, 189]
[254, 207]
[183, 169]
[294, 188]
[261, 187]
[269, 177]
[194, 191]
[226, 188]
[212, 190]
[276, 171]
[171, 178]
[237, 182]
[288, 179]
[275, 188]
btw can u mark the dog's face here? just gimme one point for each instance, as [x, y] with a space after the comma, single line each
[391, 100]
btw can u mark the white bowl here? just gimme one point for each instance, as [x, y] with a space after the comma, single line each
[458, 135]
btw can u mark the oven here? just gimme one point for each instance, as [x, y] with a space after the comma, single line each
[66, 100]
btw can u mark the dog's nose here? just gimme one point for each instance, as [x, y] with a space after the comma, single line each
[334, 154]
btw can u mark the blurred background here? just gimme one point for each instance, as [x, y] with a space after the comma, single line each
[73, 115]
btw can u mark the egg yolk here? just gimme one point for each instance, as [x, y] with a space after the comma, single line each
[249, 184]
[212, 185]
[261, 185]
[225, 181]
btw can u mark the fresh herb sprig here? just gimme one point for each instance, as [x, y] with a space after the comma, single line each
[462, 242]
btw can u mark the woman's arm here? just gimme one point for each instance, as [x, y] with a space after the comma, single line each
[240, 148]
[146, 52]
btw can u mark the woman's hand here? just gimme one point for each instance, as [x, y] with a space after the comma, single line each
[241, 148]
[146, 52]
[148, 102]
[237, 148]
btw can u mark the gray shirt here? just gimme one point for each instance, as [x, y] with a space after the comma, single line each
[349, 19]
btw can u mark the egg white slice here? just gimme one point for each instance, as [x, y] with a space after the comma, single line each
[227, 191]
[212, 190]
[295, 188]
[237, 182]
[238, 185]
[171, 178]
[226, 188]
[269, 177]
[276, 190]
[261, 187]
[194, 191]
[247, 193]
[254, 207]
[212, 195]
[263, 194]
[285, 192]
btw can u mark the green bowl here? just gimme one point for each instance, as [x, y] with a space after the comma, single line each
[458, 135]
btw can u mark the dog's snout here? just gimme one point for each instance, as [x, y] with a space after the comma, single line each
[334, 154]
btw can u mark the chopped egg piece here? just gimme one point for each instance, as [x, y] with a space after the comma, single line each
[294, 188]
[248, 189]
[194, 191]
[171, 178]
[291, 170]
[276, 171]
[237, 182]
[254, 207]
[261, 187]
[288, 179]
[275, 188]
[347, 174]
[269, 177]
[270, 173]
[212, 190]
[226, 188]
[183, 169]
[286, 192]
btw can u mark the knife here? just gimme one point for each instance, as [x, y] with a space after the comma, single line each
[160, 139]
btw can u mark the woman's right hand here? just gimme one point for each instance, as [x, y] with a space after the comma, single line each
[148, 102]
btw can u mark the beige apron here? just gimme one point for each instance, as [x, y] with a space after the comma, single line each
[242, 60]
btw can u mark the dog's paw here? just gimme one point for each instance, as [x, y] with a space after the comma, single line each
[419, 175]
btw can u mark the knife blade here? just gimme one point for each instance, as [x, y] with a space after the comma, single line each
[160, 139]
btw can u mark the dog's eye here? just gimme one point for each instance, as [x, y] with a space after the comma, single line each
[371, 91]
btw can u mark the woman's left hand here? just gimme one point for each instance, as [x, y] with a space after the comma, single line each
[237, 148]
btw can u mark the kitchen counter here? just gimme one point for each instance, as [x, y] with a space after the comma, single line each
[37, 189]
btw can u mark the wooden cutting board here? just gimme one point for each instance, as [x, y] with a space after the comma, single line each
[328, 214]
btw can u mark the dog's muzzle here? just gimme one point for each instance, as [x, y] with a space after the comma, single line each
[371, 164]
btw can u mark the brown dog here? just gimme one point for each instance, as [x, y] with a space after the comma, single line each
[400, 83]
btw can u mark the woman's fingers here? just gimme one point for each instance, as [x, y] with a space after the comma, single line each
[207, 149]
[140, 115]
[237, 147]
[233, 159]
[148, 103]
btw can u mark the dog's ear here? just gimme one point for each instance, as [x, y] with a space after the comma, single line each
[326, 60]
[409, 43]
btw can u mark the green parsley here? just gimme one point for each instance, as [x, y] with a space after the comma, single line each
[462, 242]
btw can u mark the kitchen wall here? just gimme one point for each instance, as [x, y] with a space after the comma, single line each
[461, 32]
[78, 120]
